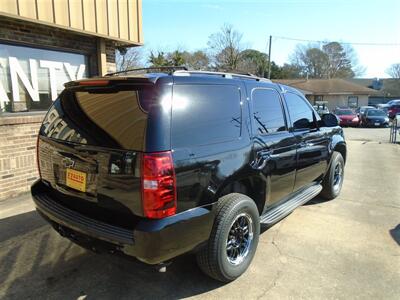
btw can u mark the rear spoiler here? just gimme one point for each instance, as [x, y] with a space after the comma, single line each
[104, 82]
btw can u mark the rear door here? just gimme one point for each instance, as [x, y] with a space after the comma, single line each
[274, 146]
[312, 143]
[207, 137]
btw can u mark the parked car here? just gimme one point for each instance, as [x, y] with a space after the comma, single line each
[375, 118]
[360, 111]
[321, 109]
[384, 107]
[393, 108]
[392, 102]
[347, 117]
[157, 165]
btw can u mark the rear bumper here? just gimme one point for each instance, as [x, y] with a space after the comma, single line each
[151, 241]
[348, 123]
[370, 123]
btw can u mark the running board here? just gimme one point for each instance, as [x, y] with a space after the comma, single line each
[281, 211]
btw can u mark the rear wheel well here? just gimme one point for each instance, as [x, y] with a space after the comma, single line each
[253, 187]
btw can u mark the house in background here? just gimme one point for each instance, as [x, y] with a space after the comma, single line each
[387, 89]
[333, 92]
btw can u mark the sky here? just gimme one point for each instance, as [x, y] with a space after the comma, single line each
[187, 24]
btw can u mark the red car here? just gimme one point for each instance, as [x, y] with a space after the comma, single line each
[347, 117]
[393, 108]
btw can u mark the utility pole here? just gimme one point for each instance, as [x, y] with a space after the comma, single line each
[269, 57]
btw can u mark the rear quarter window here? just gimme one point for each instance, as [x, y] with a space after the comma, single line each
[205, 114]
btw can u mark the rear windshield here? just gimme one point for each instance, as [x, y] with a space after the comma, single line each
[373, 112]
[115, 119]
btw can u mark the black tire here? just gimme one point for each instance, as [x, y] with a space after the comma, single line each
[330, 186]
[213, 258]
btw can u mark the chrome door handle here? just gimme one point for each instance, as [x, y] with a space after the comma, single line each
[263, 164]
[261, 161]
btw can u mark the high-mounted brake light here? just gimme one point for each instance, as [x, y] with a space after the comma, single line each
[94, 82]
[158, 185]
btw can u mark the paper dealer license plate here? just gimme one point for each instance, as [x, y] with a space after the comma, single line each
[76, 180]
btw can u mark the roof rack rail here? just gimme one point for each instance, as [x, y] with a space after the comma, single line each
[238, 72]
[223, 74]
[163, 69]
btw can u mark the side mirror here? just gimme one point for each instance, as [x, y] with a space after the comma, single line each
[329, 120]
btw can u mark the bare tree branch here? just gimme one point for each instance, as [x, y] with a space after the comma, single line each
[128, 58]
[226, 46]
[332, 60]
[394, 71]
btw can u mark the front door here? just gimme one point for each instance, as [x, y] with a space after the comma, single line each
[312, 143]
[274, 147]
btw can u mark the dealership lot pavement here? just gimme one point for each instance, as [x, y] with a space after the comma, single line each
[367, 134]
[345, 248]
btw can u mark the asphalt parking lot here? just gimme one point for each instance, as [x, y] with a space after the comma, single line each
[345, 248]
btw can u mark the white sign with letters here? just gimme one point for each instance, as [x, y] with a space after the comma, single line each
[18, 76]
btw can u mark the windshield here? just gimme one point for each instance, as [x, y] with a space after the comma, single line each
[377, 113]
[344, 112]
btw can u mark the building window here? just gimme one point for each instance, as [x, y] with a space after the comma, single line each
[352, 101]
[31, 78]
[318, 99]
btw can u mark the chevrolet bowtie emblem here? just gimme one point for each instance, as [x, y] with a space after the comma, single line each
[68, 162]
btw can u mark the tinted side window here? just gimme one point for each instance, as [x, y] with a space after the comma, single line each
[267, 111]
[301, 114]
[205, 114]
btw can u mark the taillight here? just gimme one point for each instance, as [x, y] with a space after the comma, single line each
[158, 185]
[37, 155]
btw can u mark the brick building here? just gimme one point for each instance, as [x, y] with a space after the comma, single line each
[43, 44]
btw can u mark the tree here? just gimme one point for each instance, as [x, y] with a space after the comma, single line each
[198, 60]
[176, 58]
[287, 71]
[226, 46]
[158, 60]
[128, 58]
[254, 62]
[332, 60]
[311, 61]
[339, 61]
[394, 70]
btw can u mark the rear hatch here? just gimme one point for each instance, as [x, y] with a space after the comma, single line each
[90, 148]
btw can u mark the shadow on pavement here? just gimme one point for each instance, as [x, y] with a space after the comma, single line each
[41, 264]
[20, 224]
[316, 200]
[395, 233]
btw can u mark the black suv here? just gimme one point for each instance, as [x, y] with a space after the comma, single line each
[159, 164]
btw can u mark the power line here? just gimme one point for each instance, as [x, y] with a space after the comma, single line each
[344, 43]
